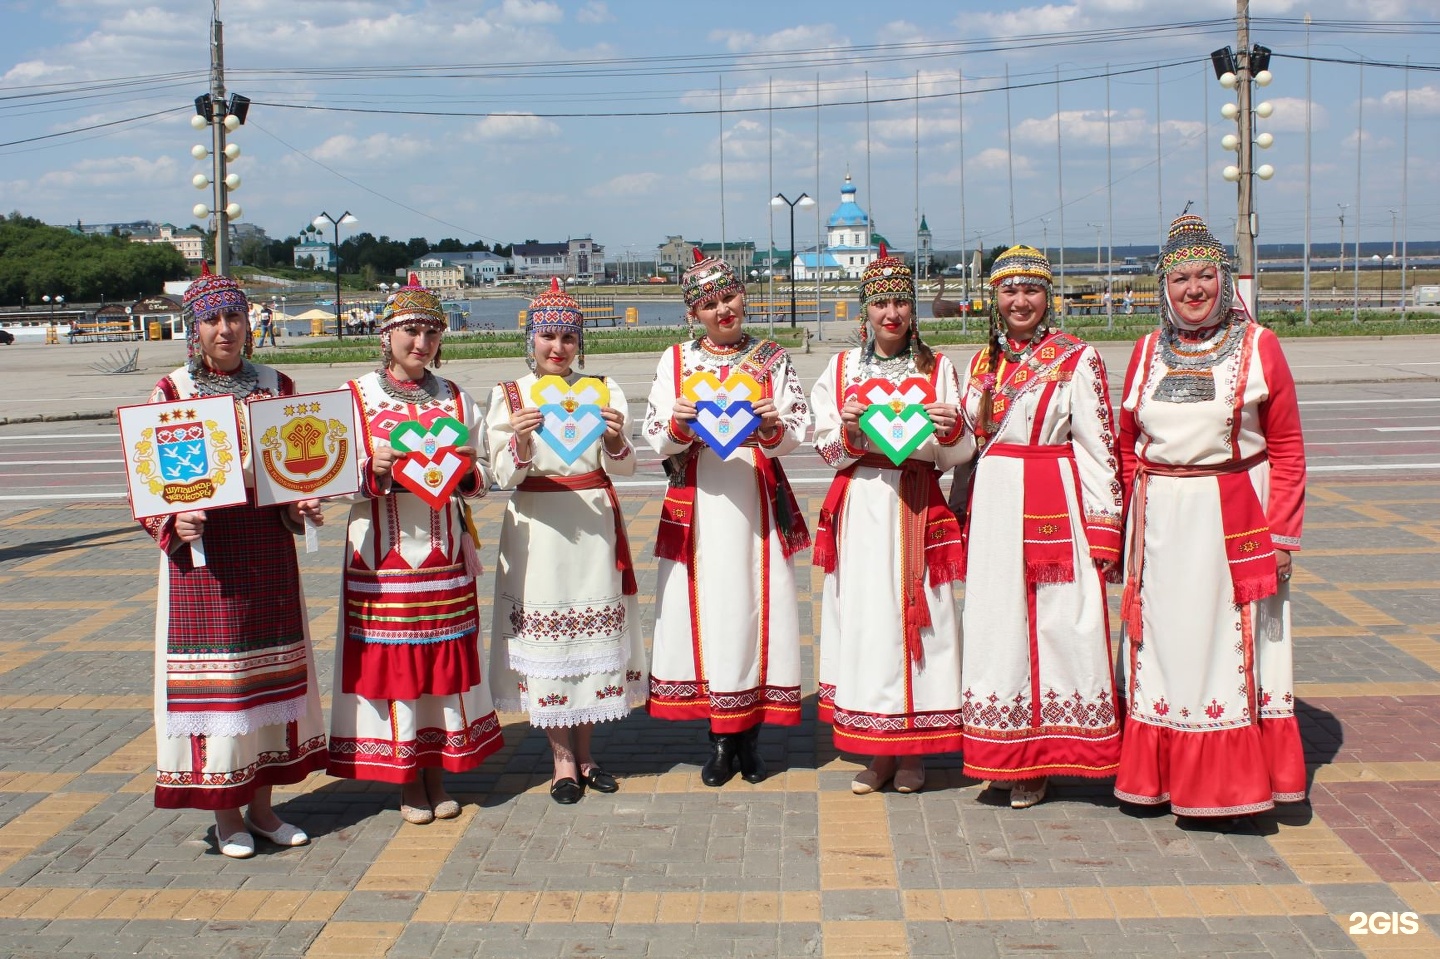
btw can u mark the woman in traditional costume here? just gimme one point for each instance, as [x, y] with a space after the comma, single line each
[564, 646]
[1043, 536]
[727, 633]
[237, 711]
[1214, 468]
[410, 699]
[890, 548]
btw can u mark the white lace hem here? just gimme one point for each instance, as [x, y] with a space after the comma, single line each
[230, 725]
[610, 661]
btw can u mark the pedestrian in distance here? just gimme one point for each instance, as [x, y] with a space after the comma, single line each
[565, 646]
[727, 635]
[1214, 471]
[889, 546]
[1042, 538]
[411, 701]
[237, 708]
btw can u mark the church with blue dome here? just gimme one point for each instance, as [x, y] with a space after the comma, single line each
[851, 243]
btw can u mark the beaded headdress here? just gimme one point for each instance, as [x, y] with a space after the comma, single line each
[886, 278]
[554, 311]
[208, 296]
[1191, 239]
[709, 278]
[412, 303]
[1021, 265]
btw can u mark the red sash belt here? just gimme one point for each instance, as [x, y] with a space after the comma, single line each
[677, 513]
[929, 537]
[1047, 535]
[1249, 551]
[595, 479]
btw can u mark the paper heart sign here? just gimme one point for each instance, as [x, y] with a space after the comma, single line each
[914, 389]
[897, 434]
[705, 386]
[430, 468]
[586, 391]
[570, 432]
[724, 428]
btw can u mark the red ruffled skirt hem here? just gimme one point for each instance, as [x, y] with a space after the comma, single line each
[1047, 753]
[411, 670]
[1222, 772]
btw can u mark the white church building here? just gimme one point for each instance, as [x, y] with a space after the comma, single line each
[851, 243]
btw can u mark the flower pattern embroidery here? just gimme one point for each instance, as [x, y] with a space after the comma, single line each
[553, 699]
[606, 692]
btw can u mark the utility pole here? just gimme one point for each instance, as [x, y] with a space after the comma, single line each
[1245, 225]
[217, 96]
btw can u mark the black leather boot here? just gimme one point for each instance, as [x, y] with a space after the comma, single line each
[720, 767]
[752, 767]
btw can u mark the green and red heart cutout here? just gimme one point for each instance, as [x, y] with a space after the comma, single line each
[430, 468]
[895, 419]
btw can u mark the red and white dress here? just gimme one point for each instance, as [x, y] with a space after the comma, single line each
[727, 629]
[409, 691]
[1215, 474]
[1045, 503]
[237, 707]
[890, 549]
[565, 642]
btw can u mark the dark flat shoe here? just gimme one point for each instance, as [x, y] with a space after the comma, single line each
[601, 781]
[566, 791]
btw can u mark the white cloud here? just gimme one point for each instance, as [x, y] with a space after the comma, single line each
[804, 37]
[114, 173]
[1088, 127]
[35, 71]
[376, 148]
[1424, 101]
[594, 12]
[627, 184]
[1289, 116]
[530, 11]
[513, 127]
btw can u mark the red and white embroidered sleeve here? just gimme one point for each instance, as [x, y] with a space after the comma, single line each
[1092, 437]
[1284, 445]
[1129, 425]
[830, 441]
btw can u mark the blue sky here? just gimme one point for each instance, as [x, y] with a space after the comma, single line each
[528, 152]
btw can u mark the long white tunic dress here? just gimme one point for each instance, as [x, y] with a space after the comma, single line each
[1206, 667]
[409, 691]
[237, 707]
[565, 642]
[727, 633]
[1040, 694]
[889, 633]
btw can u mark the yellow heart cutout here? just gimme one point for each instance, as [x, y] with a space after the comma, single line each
[704, 385]
[586, 391]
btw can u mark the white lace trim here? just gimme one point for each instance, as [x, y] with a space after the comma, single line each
[230, 725]
[608, 661]
[603, 713]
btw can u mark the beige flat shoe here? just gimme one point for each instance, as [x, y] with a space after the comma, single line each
[868, 781]
[447, 809]
[909, 780]
[417, 815]
[1023, 797]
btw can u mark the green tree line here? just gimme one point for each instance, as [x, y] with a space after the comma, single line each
[38, 260]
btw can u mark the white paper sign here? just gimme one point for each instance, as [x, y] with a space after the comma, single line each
[303, 447]
[182, 456]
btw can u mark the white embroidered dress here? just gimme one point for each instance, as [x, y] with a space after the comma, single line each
[727, 633]
[1040, 694]
[879, 697]
[1211, 724]
[565, 644]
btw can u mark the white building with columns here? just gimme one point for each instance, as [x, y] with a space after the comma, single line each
[851, 243]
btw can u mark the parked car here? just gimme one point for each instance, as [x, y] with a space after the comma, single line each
[6, 337]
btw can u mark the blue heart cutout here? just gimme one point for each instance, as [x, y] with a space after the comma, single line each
[570, 434]
[724, 428]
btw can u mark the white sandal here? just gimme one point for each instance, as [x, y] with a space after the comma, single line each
[237, 845]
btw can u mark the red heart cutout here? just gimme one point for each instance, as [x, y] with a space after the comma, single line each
[913, 390]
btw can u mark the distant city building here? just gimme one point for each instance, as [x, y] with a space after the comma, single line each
[580, 257]
[117, 229]
[674, 256]
[851, 243]
[479, 266]
[435, 273]
[314, 252]
[924, 255]
[190, 243]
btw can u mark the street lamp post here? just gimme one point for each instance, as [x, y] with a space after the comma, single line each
[1384, 262]
[347, 217]
[804, 201]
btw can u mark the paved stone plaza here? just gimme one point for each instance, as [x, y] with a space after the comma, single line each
[794, 867]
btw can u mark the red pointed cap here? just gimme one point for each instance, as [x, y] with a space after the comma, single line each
[554, 284]
[413, 280]
[697, 255]
[204, 267]
[883, 252]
